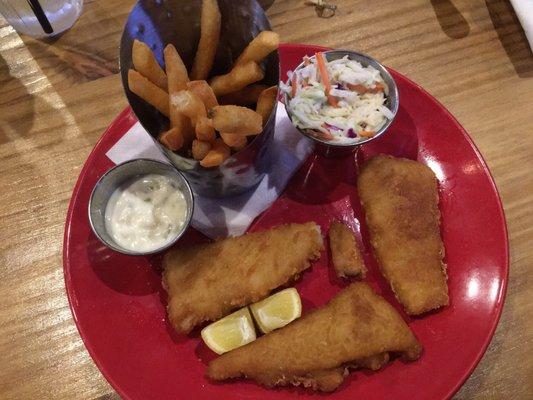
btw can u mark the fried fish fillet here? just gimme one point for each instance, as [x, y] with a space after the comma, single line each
[356, 329]
[206, 282]
[400, 200]
[346, 256]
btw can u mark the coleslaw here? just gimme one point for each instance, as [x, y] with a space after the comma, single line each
[340, 101]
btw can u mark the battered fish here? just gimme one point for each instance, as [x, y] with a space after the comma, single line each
[400, 200]
[206, 282]
[356, 329]
[345, 253]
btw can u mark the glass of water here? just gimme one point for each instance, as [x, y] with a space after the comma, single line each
[41, 18]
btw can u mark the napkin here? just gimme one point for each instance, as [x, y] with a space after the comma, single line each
[230, 216]
[524, 11]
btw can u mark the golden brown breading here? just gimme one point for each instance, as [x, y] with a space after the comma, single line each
[357, 328]
[400, 200]
[206, 282]
[345, 254]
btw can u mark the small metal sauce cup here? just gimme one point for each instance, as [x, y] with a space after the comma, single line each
[118, 176]
[178, 22]
[331, 149]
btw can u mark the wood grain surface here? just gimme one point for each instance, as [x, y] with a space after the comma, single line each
[58, 96]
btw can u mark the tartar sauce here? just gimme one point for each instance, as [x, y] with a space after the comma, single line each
[146, 214]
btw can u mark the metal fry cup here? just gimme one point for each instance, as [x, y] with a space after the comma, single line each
[159, 23]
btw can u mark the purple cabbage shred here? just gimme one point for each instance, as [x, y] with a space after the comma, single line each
[332, 127]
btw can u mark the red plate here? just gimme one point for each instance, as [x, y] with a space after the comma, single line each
[119, 306]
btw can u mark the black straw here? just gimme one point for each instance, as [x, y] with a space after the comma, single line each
[41, 16]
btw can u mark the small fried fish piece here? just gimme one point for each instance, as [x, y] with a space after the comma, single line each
[346, 256]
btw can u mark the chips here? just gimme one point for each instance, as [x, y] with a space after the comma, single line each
[200, 149]
[266, 102]
[243, 97]
[199, 126]
[177, 80]
[145, 63]
[209, 36]
[189, 105]
[204, 130]
[172, 139]
[234, 141]
[149, 92]
[262, 45]
[204, 92]
[182, 123]
[217, 155]
[236, 120]
[176, 71]
[239, 77]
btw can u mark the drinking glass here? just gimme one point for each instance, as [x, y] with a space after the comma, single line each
[41, 18]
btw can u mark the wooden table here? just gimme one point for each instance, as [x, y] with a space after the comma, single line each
[57, 97]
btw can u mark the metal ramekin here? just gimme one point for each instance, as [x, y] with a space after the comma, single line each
[332, 149]
[118, 176]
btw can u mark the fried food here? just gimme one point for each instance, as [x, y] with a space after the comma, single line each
[238, 78]
[177, 81]
[177, 77]
[219, 153]
[266, 102]
[206, 282]
[356, 329]
[345, 253]
[204, 93]
[209, 36]
[244, 97]
[145, 63]
[236, 120]
[189, 105]
[149, 92]
[183, 124]
[200, 149]
[400, 200]
[234, 141]
[260, 47]
[204, 130]
[172, 139]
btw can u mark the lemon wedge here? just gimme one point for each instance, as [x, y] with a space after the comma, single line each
[277, 310]
[230, 332]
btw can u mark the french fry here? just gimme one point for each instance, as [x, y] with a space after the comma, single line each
[189, 105]
[243, 97]
[209, 37]
[149, 92]
[176, 71]
[260, 47]
[200, 149]
[234, 141]
[145, 63]
[239, 77]
[217, 155]
[172, 139]
[177, 80]
[183, 124]
[204, 130]
[204, 92]
[236, 120]
[266, 102]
